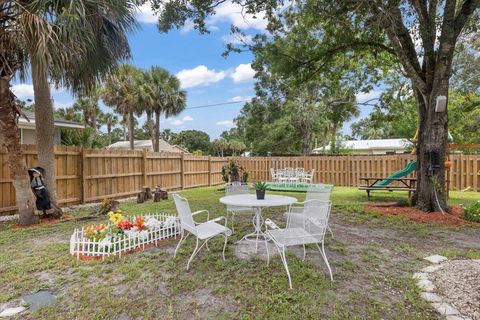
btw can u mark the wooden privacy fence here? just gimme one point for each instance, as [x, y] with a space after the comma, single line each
[87, 175]
[347, 170]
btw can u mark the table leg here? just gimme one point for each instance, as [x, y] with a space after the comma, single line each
[258, 235]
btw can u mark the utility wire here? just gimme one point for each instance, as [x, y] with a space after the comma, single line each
[366, 103]
[217, 104]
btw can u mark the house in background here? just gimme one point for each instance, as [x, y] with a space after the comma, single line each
[147, 145]
[375, 146]
[28, 133]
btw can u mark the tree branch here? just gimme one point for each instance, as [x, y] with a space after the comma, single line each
[468, 7]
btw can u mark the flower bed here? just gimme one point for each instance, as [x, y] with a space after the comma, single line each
[122, 235]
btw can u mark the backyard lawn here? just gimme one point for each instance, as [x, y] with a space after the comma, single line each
[373, 258]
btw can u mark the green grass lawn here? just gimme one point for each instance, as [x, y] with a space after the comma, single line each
[372, 257]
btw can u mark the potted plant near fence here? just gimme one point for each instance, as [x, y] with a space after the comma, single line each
[260, 188]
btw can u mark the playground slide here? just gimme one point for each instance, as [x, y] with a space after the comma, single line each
[411, 166]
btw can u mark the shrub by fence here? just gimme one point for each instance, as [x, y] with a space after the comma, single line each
[87, 175]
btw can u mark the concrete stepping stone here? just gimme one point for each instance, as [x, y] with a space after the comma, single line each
[432, 268]
[436, 258]
[431, 297]
[445, 309]
[10, 312]
[426, 285]
[39, 299]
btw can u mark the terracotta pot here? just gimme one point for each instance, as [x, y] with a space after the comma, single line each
[448, 164]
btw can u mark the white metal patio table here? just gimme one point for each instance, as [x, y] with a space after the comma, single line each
[251, 201]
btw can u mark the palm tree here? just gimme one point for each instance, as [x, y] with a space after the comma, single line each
[68, 113]
[90, 110]
[71, 42]
[167, 135]
[146, 100]
[158, 81]
[164, 97]
[121, 92]
[110, 121]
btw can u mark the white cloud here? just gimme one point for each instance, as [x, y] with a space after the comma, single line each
[199, 76]
[179, 122]
[226, 123]
[187, 27]
[145, 14]
[243, 73]
[240, 98]
[23, 91]
[363, 97]
[237, 39]
[61, 104]
[235, 14]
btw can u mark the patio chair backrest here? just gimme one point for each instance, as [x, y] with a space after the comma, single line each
[273, 174]
[289, 172]
[184, 213]
[236, 189]
[318, 214]
[319, 192]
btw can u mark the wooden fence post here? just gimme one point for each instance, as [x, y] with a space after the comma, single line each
[349, 171]
[182, 171]
[83, 175]
[209, 170]
[144, 166]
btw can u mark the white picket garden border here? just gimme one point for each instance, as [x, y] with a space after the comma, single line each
[81, 247]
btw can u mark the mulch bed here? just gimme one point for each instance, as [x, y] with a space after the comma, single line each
[453, 218]
[45, 221]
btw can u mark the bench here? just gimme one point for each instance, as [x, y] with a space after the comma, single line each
[407, 184]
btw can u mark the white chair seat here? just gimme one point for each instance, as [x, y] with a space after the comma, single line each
[211, 228]
[292, 236]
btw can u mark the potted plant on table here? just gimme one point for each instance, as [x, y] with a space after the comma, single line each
[260, 188]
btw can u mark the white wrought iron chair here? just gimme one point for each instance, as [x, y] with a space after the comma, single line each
[236, 188]
[309, 229]
[308, 176]
[282, 176]
[316, 193]
[202, 231]
[274, 175]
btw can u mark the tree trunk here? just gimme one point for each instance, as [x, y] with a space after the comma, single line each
[10, 138]
[45, 131]
[109, 133]
[431, 152]
[151, 129]
[156, 148]
[124, 126]
[131, 125]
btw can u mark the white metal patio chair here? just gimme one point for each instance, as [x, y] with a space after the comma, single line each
[308, 176]
[282, 176]
[236, 188]
[319, 193]
[274, 175]
[311, 229]
[202, 231]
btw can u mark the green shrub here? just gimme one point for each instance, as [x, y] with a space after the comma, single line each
[472, 212]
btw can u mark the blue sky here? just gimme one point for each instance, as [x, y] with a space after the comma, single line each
[196, 59]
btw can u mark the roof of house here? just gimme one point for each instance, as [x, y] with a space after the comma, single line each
[394, 144]
[146, 144]
[24, 123]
